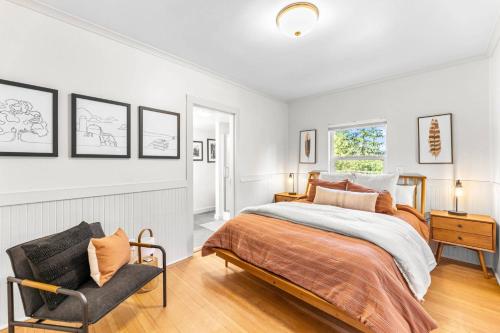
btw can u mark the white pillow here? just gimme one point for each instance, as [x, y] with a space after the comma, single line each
[405, 194]
[346, 199]
[336, 177]
[384, 182]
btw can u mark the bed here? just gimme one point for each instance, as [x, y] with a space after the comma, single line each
[351, 279]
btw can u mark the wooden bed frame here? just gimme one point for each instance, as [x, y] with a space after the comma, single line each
[304, 294]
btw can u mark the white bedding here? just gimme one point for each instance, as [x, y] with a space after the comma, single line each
[410, 251]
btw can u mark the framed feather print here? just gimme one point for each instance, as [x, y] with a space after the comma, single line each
[307, 150]
[435, 139]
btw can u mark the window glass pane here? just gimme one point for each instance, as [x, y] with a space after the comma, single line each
[367, 141]
[368, 166]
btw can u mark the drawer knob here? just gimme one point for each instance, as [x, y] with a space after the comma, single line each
[459, 225]
[459, 237]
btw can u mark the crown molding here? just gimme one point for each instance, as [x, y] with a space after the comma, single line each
[392, 77]
[89, 26]
[494, 39]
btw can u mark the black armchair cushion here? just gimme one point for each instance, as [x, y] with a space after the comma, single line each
[31, 298]
[61, 260]
[128, 280]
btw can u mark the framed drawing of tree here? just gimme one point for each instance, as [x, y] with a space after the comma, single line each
[99, 127]
[28, 120]
[435, 139]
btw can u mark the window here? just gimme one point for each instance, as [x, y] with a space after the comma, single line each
[359, 148]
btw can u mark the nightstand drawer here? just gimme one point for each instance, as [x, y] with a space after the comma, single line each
[471, 227]
[281, 198]
[462, 238]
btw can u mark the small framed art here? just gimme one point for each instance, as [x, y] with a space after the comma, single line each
[435, 139]
[307, 150]
[197, 150]
[99, 127]
[211, 150]
[28, 120]
[159, 133]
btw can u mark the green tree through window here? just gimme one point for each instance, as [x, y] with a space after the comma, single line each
[358, 149]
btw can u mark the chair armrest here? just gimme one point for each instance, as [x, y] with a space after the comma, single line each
[54, 289]
[153, 246]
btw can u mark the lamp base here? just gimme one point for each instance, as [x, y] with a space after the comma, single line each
[457, 213]
[292, 193]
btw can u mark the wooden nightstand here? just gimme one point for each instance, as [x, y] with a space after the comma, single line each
[285, 196]
[476, 232]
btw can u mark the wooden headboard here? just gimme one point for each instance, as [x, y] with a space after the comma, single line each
[405, 179]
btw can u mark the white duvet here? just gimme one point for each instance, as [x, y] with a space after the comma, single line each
[410, 251]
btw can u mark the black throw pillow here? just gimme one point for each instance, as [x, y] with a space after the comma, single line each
[61, 260]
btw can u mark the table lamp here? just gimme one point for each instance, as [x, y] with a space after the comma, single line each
[459, 192]
[291, 178]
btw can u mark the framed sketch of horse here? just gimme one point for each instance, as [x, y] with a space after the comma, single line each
[28, 120]
[99, 127]
[159, 133]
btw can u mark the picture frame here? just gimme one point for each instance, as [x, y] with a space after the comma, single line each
[435, 139]
[211, 151]
[197, 150]
[28, 120]
[159, 133]
[307, 146]
[100, 128]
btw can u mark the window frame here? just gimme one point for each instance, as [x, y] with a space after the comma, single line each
[332, 159]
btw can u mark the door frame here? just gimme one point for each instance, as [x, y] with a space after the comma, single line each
[191, 102]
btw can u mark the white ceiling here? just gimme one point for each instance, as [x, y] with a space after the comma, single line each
[355, 41]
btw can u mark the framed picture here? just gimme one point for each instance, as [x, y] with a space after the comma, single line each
[211, 150]
[28, 120]
[197, 150]
[307, 151]
[435, 139]
[159, 133]
[99, 127]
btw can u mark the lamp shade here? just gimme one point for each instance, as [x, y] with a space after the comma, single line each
[297, 19]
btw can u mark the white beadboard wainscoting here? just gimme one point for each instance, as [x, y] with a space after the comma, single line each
[164, 211]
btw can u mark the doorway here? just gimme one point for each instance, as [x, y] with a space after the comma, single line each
[213, 171]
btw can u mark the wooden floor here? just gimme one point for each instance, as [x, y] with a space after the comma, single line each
[204, 296]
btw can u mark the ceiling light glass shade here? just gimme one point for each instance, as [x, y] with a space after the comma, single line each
[297, 19]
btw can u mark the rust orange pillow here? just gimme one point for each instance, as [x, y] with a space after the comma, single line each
[384, 199]
[107, 255]
[324, 183]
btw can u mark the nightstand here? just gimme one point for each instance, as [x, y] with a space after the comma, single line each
[285, 196]
[475, 232]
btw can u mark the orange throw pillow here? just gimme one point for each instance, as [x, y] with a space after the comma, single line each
[324, 183]
[384, 200]
[107, 255]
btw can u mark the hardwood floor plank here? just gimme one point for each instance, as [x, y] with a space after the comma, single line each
[204, 296]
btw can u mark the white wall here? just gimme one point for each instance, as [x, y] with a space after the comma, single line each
[495, 143]
[203, 173]
[48, 52]
[462, 90]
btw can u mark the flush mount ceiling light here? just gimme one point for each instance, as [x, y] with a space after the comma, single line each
[297, 19]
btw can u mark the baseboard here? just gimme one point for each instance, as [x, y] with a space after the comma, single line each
[497, 277]
[203, 210]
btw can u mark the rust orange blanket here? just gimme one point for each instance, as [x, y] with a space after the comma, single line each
[355, 275]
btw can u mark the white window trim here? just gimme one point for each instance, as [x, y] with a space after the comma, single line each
[331, 150]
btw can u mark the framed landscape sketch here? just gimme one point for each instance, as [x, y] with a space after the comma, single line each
[307, 150]
[211, 150]
[435, 139]
[99, 127]
[28, 120]
[197, 150]
[159, 133]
